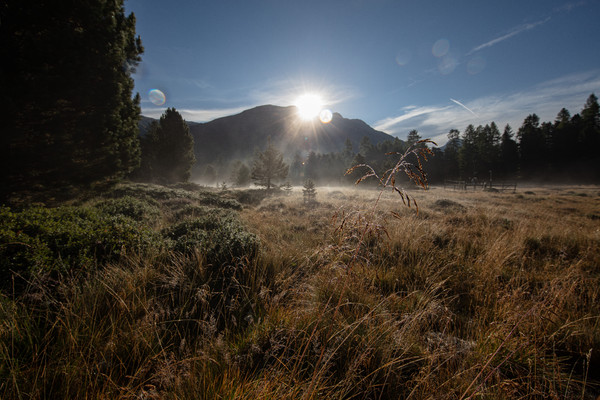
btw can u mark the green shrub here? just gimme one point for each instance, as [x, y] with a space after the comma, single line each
[217, 200]
[218, 236]
[66, 238]
[251, 196]
[163, 193]
[141, 210]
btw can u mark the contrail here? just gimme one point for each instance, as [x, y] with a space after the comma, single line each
[463, 106]
[515, 31]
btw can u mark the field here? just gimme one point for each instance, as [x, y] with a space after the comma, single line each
[235, 294]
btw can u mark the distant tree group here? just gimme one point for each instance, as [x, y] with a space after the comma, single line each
[68, 114]
[268, 166]
[566, 149]
[167, 150]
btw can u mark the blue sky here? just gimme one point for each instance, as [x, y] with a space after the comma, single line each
[397, 65]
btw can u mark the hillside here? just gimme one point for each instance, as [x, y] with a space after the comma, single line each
[236, 136]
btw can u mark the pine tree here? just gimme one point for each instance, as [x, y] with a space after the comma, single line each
[311, 166]
[590, 135]
[168, 150]
[509, 154]
[68, 112]
[532, 147]
[451, 154]
[413, 137]
[268, 166]
[467, 155]
[590, 117]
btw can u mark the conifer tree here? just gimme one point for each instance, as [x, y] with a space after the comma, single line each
[509, 154]
[467, 153]
[68, 113]
[413, 137]
[268, 166]
[451, 154]
[532, 147]
[590, 118]
[168, 149]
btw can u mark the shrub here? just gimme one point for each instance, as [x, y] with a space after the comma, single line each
[217, 200]
[218, 236]
[141, 210]
[251, 196]
[65, 238]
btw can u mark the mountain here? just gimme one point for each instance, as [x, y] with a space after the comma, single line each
[237, 136]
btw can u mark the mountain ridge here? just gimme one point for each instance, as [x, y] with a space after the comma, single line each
[236, 137]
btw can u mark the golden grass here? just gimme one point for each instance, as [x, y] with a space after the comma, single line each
[479, 295]
[491, 293]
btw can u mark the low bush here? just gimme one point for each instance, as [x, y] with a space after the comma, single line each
[218, 236]
[66, 238]
[141, 210]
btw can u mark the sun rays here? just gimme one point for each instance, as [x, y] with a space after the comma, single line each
[310, 106]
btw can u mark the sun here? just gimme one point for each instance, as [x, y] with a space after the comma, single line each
[309, 106]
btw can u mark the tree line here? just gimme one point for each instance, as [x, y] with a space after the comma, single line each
[567, 149]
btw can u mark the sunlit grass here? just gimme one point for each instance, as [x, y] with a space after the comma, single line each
[493, 295]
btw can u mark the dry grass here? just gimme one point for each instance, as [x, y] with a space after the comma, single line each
[479, 295]
[486, 293]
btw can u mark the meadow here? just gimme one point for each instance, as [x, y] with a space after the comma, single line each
[188, 292]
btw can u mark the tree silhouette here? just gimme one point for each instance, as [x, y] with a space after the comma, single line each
[532, 146]
[509, 154]
[67, 108]
[168, 149]
[451, 154]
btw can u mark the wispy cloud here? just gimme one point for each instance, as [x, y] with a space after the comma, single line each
[570, 6]
[463, 106]
[410, 113]
[513, 32]
[545, 99]
[196, 115]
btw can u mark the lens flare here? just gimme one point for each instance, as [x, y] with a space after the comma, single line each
[326, 116]
[403, 57]
[447, 65]
[440, 48]
[157, 97]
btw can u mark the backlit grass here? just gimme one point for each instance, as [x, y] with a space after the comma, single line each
[478, 295]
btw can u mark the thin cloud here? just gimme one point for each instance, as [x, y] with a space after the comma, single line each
[545, 99]
[411, 113]
[513, 32]
[570, 6]
[197, 115]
